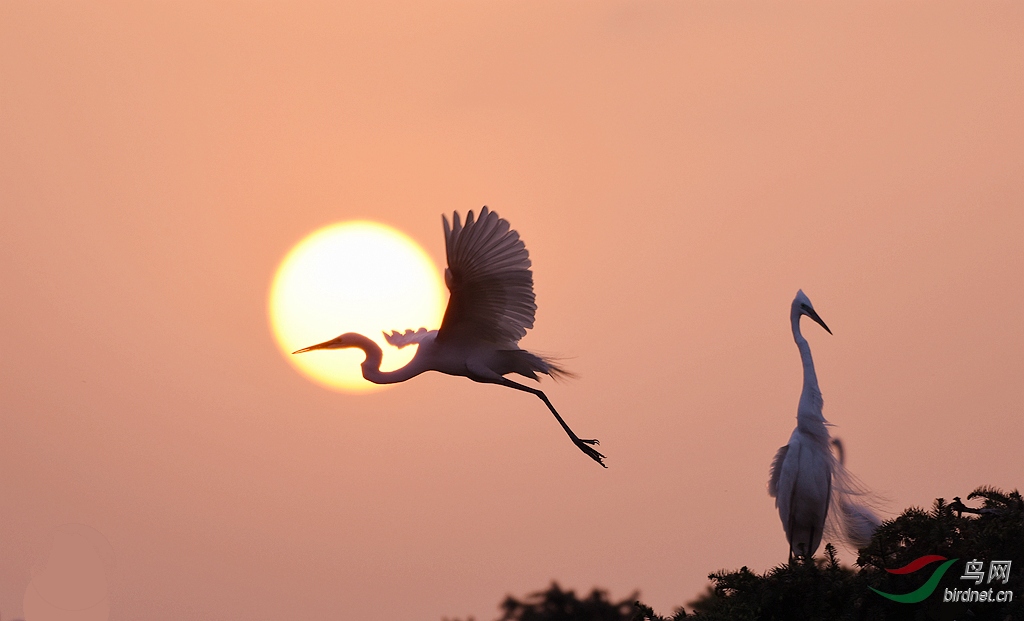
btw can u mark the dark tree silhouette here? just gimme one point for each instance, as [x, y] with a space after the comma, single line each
[825, 591]
[554, 604]
[558, 605]
[822, 590]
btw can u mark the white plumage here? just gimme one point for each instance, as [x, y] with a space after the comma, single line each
[409, 337]
[490, 308]
[813, 491]
[490, 282]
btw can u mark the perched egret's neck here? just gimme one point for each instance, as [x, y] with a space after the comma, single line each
[810, 378]
[808, 414]
[374, 357]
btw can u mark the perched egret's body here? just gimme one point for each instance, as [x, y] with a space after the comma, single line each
[490, 308]
[812, 489]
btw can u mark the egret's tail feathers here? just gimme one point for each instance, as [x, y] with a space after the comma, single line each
[553, 368]
[556, 372]
[529, 365]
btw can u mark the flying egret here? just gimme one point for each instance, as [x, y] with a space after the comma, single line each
[490, 308]
[812, 489]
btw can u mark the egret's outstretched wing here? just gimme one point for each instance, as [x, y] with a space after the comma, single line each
[776, 471]
[400, 340]
[490, 282]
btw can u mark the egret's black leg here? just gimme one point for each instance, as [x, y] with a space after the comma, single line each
[789, 538]
[583, 445]
[809, 541]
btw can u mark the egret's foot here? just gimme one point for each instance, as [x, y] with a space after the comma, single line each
[584, 445]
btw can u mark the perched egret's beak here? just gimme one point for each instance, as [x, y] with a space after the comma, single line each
[813, 315]
[334, 343]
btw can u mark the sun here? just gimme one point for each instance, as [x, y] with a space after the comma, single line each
[356, 276]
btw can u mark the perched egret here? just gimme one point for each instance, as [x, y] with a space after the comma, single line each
[812, 489]
[490, 308]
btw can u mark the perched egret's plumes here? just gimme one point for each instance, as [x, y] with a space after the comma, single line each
[491, 307]
[813, 491]
[850, 519]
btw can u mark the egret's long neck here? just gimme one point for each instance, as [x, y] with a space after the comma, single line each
[374, 357]
[808, 413]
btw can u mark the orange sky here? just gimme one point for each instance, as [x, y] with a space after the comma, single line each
[678, 170]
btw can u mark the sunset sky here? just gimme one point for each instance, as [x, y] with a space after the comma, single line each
[678, 170]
